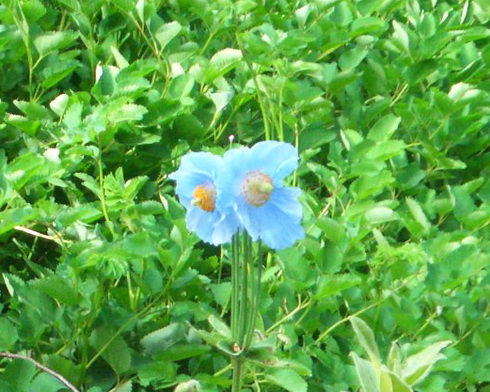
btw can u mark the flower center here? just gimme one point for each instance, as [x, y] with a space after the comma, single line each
[257, 188]
[203, 196]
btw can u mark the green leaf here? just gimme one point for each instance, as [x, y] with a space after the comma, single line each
[352, 58]
[56, 40]
[384, 128]
[167, 32]
[287, 379]
[57, 288]
[366, 339]
[181, 351]
[222, 62]
[126, 112]
[219, 326]
[330, 285]
[380, 214]
[17, 376]
[44, 382]
[114, 349]
[162, 339]
[9, 334]
[15, 217]
[333, 230]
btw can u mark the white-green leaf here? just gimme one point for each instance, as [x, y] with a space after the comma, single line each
[418, 213]
[401, 36]
[367, 374]
[59, 104]
[221, 99]
[417, 366]
[365, 337]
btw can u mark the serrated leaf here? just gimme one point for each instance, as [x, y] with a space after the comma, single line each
[221, 63]
[167, 32]
[55, 287]
[226, 57]
[366, 339]
[54, 73]
[16, 217]
[127, 112]
[287, 379]
[56, 40]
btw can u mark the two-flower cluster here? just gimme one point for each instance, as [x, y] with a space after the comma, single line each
[242, 190]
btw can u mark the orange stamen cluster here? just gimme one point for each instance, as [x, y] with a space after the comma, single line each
[257, 188]
[203, 196]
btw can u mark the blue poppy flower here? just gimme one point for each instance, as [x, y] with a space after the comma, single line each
[250, 185]
[196, 189]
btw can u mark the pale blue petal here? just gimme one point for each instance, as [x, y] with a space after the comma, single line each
[201, 162]
[277, 222]
[200, 168]
[201, 222]
[228, 182]
[277, 159]
[224, 229]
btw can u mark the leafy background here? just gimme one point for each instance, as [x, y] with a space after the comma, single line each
[388, 104]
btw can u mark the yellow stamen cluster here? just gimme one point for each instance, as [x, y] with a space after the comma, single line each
[257, 188]
[204, 196]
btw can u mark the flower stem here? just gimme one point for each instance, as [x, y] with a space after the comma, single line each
[236, 385]
[244, 308]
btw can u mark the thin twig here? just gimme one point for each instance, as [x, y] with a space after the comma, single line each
[59, 377]
[35, 233]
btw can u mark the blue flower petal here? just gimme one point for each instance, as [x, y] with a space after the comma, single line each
[203, 163]
[201, 222]
[277, 159]
[228, 183]
[277, 222]
[224, 229]
[196, 169]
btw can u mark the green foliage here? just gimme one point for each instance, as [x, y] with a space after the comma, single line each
[387, 102]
